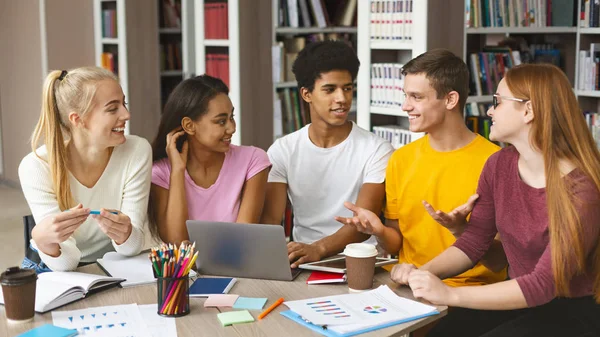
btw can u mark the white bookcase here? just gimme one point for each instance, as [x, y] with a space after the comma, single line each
[571, 39]
[137, 53]
[435, 24]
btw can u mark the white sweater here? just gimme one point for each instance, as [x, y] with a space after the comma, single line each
[124, 185]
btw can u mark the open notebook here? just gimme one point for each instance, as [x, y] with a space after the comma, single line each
[136, 270]
[55, 289]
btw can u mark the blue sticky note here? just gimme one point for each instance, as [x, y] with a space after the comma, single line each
[249, 303]
[49, 330]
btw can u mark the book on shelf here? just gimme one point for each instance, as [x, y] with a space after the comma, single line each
[588, 72]
[170, 56]
[110, 62]
[392, 20]
[109, 23]
[395, 134]
[55, 289]
[170, 14]
[216, 24]
[521, 13]
[592, 118]
[387, 83]
[217, 65]
[316, 13]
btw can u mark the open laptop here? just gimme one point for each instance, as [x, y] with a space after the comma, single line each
[241, 250]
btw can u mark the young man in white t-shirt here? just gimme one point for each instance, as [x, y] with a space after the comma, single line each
[327, 162]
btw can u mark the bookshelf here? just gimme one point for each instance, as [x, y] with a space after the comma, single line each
[576, 33]
[434, 24]
[125, 42]
[296, 23]
[176, 44]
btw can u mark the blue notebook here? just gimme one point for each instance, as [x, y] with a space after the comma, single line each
[49, 330]
[324, 331]
[206, 286]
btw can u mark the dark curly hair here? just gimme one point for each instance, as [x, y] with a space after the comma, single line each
[322, 57]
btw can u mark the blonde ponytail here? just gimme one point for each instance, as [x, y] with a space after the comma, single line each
[64, 92]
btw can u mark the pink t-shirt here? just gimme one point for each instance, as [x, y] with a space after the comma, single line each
[221, 201]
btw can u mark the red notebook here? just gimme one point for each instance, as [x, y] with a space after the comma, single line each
[318, 277]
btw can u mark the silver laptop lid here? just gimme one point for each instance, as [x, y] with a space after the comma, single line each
[241, 250]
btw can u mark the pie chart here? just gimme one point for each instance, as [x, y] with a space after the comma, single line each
[375, 309]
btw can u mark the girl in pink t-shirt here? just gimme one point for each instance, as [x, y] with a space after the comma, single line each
[197, 173]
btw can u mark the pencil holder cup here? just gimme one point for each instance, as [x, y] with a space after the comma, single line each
[173, 296]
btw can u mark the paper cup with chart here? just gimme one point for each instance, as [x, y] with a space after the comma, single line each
[360, 266]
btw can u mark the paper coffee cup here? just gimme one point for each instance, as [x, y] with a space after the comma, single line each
[18, 288]
[360, 266]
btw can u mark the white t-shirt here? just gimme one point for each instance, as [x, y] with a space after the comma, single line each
[320, 180]
[124, 186]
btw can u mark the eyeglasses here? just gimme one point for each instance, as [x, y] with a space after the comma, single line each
[496, 96]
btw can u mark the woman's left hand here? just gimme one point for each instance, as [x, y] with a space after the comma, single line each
[115, 226]
[427, 286]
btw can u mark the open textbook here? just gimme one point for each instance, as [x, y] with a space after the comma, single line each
[55, 289]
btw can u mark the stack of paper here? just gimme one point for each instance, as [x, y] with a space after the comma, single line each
[128, 320]
[375, 309]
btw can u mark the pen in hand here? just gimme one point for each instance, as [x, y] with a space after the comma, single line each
[271, 308]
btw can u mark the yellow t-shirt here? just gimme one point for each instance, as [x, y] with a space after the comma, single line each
[417, 172]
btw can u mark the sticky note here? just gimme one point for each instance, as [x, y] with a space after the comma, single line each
[220, 300]
[49, 330]
[235, 317]
[250, 303]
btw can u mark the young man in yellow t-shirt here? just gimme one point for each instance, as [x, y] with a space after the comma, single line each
[439, 171]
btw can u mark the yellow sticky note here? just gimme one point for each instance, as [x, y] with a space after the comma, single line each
[235, 317]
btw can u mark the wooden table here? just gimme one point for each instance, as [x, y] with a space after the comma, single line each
[203, 321]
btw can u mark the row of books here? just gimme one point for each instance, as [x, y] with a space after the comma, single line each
[387, 83]
[593, 121]
[589, 72]
[488, 68]
[320, 13]
[395, 134]
[589, 12]
[284, 52]
[290, 112]
[170, 56]
[476, 109]
[110, 61]
[216, 22]
[520, 13]
[109, 23]
[170, 14]
[217, 65]
[392, 20]
[480, 125]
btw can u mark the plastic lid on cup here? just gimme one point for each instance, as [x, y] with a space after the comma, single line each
[15, 276]
[360, 250]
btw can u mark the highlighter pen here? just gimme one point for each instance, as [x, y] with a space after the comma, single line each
[98, 212]
[271, 308]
